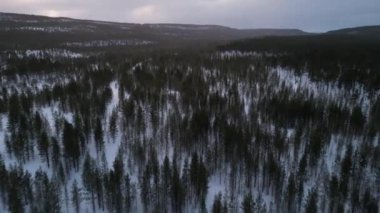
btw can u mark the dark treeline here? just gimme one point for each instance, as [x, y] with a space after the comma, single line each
[332, 57]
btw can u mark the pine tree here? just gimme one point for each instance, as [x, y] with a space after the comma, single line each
[311, 203]
[333, 192]
[145, 192]
[117, 179]
[99, 136]
[345, 172]
[185, 181]
[291, 193]
[37, 122]
[113, 124]
[128, 194]
[56, 152]
[194, 173]
[248, 204]
[155, 175]
[43, 146]
[75, 196]
[71, 144]
[99, 187]
[217, 206]
[80, 130]
[260, 206]
[202, 183]
[54, 197]
[357, 119]
[3, 180]
[165, 183]
[14, 111]
[177, 191]
[316, 145]
[15, 203]
[88, 178]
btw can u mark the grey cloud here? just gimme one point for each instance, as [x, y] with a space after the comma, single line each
[309, 15]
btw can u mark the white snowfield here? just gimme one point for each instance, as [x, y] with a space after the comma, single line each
[52, 29]
[222, 55]
[329, 92]
[179, 27]
[44, 53]
[108, 43]
[43, 29]
[234, 54]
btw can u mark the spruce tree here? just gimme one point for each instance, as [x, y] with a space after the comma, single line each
[76, 196]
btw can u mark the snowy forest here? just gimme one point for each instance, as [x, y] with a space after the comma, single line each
[242, 127]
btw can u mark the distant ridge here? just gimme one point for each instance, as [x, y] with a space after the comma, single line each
[26, 17]
[43, 31]
[36, 31]
[363, 31]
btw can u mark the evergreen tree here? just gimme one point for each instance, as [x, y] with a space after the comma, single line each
[99, 136]
[217, 206]
[312, 200]
[128, 194]
[43, 146]
[75, 196]
[88, 178]
[145, 185]
[71, 144]
[3, 180]
[166, 183]
[291, 193]
[15, 202]
[177, 191]
[56, 152]
[357, 118]
[345, 172]
[113, 124]
[248, 204]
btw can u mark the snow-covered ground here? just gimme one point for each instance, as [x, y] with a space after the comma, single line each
[45, 53]
[248, 93]
[326, 91]
[43, 29]
[108, 43]
[225, 55]
[50, 114]
[35, 83]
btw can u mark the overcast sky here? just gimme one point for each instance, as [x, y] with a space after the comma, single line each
[309, 15]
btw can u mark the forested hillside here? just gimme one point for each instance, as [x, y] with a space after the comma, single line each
[259, 125]
[19, 31]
